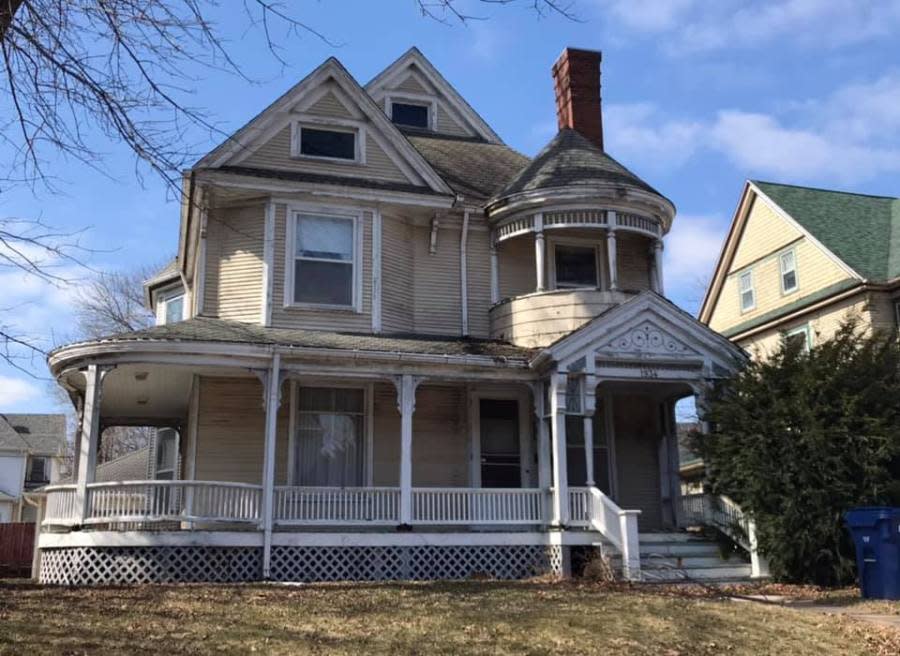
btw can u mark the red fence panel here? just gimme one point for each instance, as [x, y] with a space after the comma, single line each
[16, 548]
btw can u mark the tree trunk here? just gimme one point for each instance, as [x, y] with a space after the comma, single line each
[8, 9]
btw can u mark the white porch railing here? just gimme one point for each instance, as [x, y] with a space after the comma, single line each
[719, 512]
[61, 509]
[580, 506]
[449, 505]
[159, 501]
[591, 508]
[336, 505]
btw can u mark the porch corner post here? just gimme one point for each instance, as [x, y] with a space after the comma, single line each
[495, 273]
[759, 566]
[611, 254]
[589, 405]
[631, 549]
[658, 267]
[560, 473]
[90, 438]
[273, 393]
[406, 391]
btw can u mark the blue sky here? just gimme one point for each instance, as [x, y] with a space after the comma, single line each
[697, 97]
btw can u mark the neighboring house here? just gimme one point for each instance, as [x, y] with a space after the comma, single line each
[392, 347]
[690, 465]
[799, 261]
[32, 448]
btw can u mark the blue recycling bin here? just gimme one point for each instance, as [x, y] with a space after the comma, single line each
[876, 534]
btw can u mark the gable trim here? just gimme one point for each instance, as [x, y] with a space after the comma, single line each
[248, 138]
[453, 98]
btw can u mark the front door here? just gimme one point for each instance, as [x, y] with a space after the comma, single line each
[500, 458]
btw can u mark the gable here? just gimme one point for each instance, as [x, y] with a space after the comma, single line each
[414, 79]
[327, 99]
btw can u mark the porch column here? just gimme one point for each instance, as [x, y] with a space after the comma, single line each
[590, 408]
[495, 274]
[540, 252]
[273, 401]
[406, 403]
[658, 267]
[90, 437]
[611, 251]
[560, 503]
[545, 472]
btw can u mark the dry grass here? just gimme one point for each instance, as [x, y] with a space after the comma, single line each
[435, 618]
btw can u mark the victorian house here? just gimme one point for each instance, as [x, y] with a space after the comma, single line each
[392, 347]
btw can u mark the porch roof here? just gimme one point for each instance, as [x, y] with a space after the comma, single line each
[205, 329]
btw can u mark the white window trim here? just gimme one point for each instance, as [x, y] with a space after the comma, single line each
[412, 99]
[162, 300]
[334, 125]
[368, 441]
[599, 251]
[748, 272]
[354, 214]
[801, 330]
[781, 272]
[527, 463]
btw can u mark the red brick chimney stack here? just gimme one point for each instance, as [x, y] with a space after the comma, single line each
[576, 81]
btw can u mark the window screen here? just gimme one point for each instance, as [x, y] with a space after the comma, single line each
[323, 265]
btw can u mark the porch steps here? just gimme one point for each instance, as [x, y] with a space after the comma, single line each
[682, 557]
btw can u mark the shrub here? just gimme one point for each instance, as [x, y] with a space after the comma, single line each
[799, 438]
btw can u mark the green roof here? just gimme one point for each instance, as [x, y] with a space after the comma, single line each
[862, 230]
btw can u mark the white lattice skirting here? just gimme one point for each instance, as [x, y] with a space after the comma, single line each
[127, 565]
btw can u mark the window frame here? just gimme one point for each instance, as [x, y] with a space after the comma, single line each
[805, 331]
[290, 256]
[164, 297]
[741, 291]
[368, 439]
[597, 244]
[412, 99]
[330, 125]
[781, 272]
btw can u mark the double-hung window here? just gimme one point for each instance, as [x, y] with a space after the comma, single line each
[324, 269]
[788, 266]
[329, 446]
[748, 295]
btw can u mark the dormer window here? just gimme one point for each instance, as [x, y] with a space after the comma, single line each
[411, 115]
[170, 307]
[328, 143]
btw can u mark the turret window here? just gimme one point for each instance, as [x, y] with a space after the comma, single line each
[575, 266]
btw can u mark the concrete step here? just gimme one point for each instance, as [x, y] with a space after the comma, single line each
[706, 574]
[689, 562]
[684, 549]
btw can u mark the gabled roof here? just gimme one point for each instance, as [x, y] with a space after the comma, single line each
[474, 168]
[264, 125]
[570, 159]
[862, 230]
[38, 434]
[414, 58]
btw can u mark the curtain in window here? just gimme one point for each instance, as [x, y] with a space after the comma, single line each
[329, 446]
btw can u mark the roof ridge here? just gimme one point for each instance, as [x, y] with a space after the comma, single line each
[823, 189]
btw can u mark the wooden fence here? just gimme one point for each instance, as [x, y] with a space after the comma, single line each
[16, 548]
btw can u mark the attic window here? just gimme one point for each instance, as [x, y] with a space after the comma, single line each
[410, 115]
[333, 144]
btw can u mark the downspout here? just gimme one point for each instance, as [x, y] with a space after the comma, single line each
[187, 232]
[463, 273]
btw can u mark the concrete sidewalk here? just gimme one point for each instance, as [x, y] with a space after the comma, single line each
[888, 620]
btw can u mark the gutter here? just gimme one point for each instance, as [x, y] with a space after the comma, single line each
[463, 272]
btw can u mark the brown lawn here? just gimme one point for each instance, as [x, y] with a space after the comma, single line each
[428, 618]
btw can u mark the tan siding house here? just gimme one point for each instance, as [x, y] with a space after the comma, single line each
[392, 347]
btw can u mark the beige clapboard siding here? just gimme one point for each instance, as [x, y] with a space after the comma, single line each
[396, 275]
[873, 311]
[411, 84]
[440, 437]
[637, 457]
[231, 431]
[446, 124]
[515, 258]
[276, 154]
[478, 271]
[329, 105]
[633, 261]
[436, 282]
[235, 263]
[764, 232]
[293, 317]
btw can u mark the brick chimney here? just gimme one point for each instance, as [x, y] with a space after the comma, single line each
[576, 81]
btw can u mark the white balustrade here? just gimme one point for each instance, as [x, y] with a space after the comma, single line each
[61, 507]
[337, 505]
[450, 505]
[156, 501]
[580, 506]
[716, 511]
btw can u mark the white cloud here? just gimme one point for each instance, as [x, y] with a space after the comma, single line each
[692, 248]
[848, 136]
[16, 391]
[692, 26]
